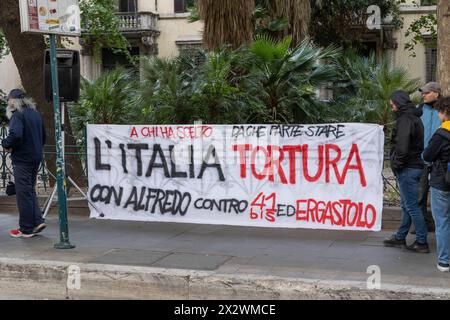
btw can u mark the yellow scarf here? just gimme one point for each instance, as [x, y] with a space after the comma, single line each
[446, 125]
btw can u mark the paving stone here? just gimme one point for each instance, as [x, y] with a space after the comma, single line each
[191, 261]
[129, 257]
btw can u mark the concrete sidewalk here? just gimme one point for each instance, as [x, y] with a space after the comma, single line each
[143, 260]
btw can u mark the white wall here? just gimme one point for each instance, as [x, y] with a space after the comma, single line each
[164, 6]
[148, 5]
[415, 65]
[9, 75]
[173, 29]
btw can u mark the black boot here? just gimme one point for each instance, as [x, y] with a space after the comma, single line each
[392, 241]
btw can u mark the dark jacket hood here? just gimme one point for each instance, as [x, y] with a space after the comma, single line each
[404, 104]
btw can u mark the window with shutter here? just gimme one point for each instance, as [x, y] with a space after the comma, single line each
[182, 5]
[428, 2]
[431, 64]
[194, 51]
[111, 60]
[128, 6]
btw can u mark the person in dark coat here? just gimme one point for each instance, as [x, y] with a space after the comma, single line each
[407, 165]
[438, 153]
[25, 141]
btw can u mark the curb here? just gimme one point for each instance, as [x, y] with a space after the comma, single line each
[97, 281]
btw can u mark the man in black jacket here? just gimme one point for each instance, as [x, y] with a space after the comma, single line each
[25, 141]
[407, 165]
[438, 153]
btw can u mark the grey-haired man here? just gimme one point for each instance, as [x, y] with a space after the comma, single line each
[25, 141]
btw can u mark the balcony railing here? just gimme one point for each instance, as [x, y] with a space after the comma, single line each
[137, 21]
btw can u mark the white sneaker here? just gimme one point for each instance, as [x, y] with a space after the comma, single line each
[443, 267]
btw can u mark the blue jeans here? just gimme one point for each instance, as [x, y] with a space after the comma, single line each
[440, 207]
[408, 181]
[30, 215]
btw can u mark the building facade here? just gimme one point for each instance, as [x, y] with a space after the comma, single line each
[161, 28]
[423, 65]
[152, 27]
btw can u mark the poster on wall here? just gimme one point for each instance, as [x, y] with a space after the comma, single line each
[326, 176]
[60, 17]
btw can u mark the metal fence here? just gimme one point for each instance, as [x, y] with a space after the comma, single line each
[46, 177]
[391, 192]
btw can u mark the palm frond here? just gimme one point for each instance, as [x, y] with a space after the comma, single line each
[268, 48]
[369, 86]
[108, 99]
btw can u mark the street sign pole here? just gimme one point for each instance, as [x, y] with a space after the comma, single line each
[60, 165]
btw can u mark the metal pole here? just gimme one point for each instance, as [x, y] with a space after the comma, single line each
[60, 166]
[48, 203]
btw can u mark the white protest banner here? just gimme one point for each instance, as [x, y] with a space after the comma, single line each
[325, 176]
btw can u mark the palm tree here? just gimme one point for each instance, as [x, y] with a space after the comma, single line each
[180, 91]
[286, 18]
[233, 22]
[166, 89]
[369, 86]
[285, 79]
[226, 22]
[4, 50]
[106, 100]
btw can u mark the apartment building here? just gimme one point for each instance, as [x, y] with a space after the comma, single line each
[424, 64]
[161, 28]
[153, 27]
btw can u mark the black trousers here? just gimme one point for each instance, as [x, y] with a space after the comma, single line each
[30, 215]
[423, 197]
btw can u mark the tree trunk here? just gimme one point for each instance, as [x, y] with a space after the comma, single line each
[298, 15]
[227, 22]
[443, 15]
[28, 54]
